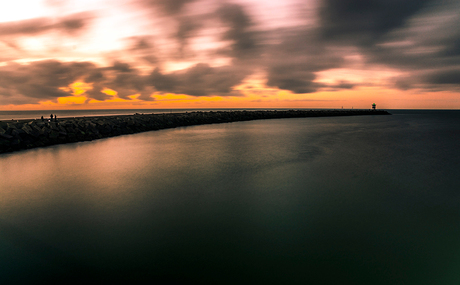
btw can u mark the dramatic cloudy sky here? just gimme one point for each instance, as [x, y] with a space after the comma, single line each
[229, 54]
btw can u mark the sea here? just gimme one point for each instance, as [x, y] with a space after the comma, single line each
[37, 114]
[326, 200]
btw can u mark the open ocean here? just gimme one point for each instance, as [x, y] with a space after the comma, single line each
[330, 200]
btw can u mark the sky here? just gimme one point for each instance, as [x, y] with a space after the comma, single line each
[154, 54]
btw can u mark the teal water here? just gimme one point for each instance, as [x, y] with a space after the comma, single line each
[339, 200]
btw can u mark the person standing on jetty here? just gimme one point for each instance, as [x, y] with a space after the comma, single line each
[51, 117]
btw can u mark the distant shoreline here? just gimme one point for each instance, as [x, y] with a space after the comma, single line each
[28, 133]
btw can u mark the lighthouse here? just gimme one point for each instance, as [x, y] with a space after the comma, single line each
[373, 106]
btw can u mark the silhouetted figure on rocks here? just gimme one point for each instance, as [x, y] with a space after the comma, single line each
[42, 119]
[51, 117]
[55, 118]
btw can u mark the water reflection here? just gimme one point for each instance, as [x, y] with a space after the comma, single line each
[280, 200]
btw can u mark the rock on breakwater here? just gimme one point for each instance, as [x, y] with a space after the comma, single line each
[24, 134]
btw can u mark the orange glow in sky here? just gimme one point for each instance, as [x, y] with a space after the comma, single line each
[94, 54]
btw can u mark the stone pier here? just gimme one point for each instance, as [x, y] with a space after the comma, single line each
[25, 134]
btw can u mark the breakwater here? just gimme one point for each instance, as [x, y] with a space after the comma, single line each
[24, 134]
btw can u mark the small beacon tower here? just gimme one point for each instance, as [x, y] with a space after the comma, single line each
[373, 106]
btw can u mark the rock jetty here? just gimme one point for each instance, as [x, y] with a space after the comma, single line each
[25, 134]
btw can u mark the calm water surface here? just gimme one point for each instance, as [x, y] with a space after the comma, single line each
[339, 200]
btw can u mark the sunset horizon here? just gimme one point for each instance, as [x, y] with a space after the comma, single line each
[202, 54]
[229, 142]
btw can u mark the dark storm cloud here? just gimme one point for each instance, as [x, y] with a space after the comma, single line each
[169, 7]
[244, 41]
[163, 82]
[340, 86]
[384, 32]
[452, 45]
[441, 79]
[28, 27]
[69, 24]
[444, 77]
[127, 81]
[74, 23]
[120, 77]
[96, 93]
[430, 41]
[142, 48]
[365, 21]
[184, 26]
[233, 17]
[47, 80]
[411, 36]
[292, 60]
[202, 79]
[141, 43]
[94, 76]
[344, 85]
[395, 34]
[418, 37]
[199, 80]
[186, 30]
[292, 64]
[42, 79]
[121, 66]
[9, 50]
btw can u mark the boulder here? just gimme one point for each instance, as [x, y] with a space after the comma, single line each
[6, 136]
[53, 134]
[11, 126]
[4, 142]
[27, 129]
[54, 126]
